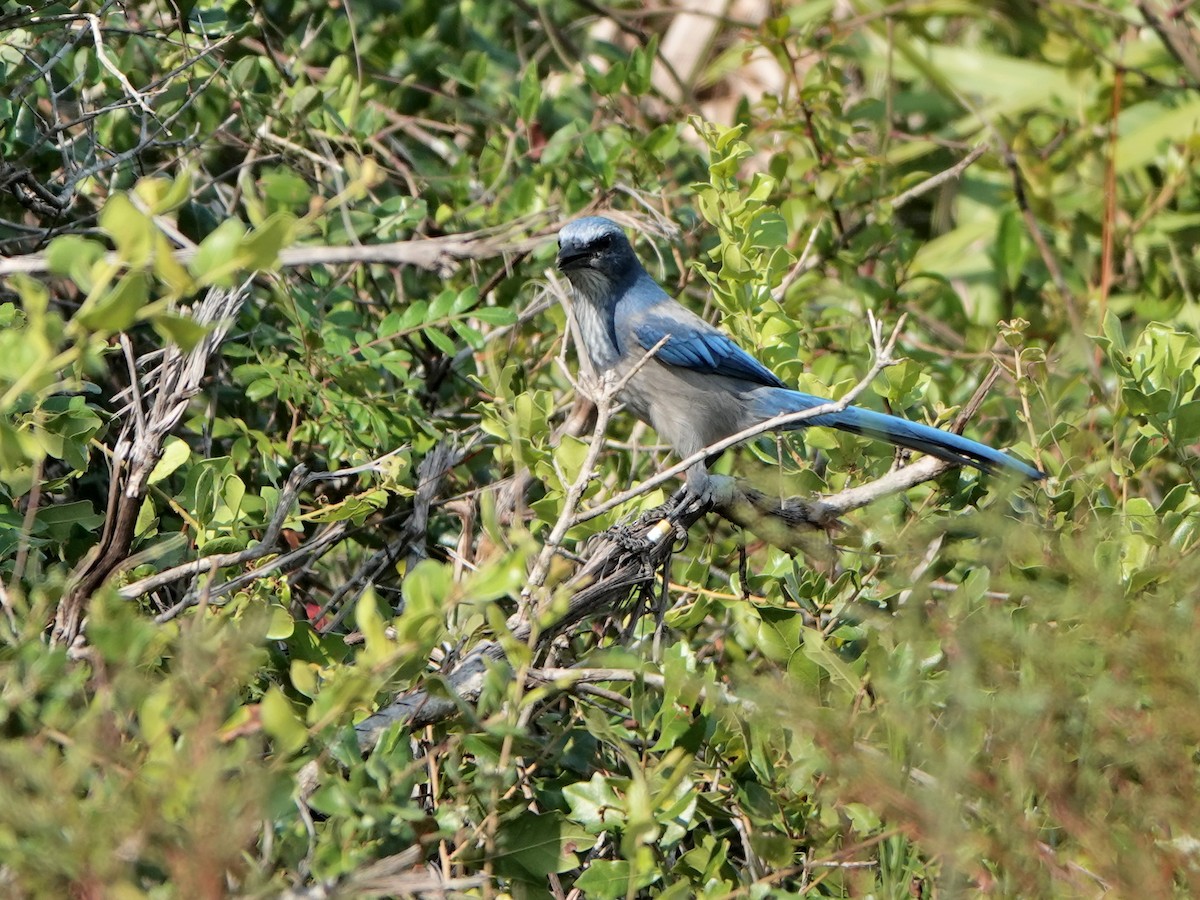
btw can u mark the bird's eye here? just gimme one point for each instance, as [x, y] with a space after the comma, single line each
[603, 242]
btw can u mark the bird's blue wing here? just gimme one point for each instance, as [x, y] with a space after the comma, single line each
[700, 347]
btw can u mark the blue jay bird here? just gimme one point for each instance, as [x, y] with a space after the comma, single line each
[701, 387]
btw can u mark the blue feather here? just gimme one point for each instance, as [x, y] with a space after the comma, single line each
[701, 348]
[900, 432]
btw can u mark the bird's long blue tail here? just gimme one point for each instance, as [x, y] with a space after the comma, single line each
[900, 432]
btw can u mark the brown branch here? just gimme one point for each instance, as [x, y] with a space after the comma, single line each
[1176, 37]
[434, 254]
[1070, 303]
[161, 403]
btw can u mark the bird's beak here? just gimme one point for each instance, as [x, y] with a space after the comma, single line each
[570, 259]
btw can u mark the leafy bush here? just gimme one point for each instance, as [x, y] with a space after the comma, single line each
[285, 436]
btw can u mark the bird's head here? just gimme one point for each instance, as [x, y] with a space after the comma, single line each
[593, 247]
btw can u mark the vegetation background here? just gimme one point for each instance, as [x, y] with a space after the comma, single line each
[280, 322]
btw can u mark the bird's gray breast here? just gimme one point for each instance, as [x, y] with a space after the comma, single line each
[594, 316]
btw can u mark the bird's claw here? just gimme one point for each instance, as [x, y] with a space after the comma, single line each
[628, 539]
[714, 491]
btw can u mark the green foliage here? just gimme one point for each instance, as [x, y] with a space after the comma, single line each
[90, 751]
[991, 689]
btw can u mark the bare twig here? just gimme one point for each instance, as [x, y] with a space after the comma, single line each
[165, 397]
[610, 389]
[807, 263]
[434, 254]
[1070, 304]
[102, 56]
[1175, 35]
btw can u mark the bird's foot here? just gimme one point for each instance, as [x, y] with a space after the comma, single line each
[675, 503]
[701, 494]
[629, 538]
[714, 491]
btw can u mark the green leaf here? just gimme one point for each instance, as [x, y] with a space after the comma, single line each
[376, 645]
[217, 259]
[175, 453]
[66, 515]
[286, 189]
[279, 720]
[541, 844]
[131, 231]
[282, 624]
[1187, 422]
[571, 454]
[818, 651]
[183, 331]
[1012, 250]
[1145, 128]
[73, 256]
[303, 675]
[605, 879]
[641, 64]
[117, 309]
[529, 95]
[595, 805]
[260, 250]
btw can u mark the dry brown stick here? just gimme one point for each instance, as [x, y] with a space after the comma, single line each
[164, 400]
[434, 254]
[1070, 302]
[1175, 35]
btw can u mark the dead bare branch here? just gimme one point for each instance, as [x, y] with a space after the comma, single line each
[164, 399]
[433, 254]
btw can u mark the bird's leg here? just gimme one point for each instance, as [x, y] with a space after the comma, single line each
[709, 490]
[700, 489]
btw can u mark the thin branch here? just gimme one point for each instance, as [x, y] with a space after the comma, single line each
[1175, 35]
[433, 254]
[935, 181]
[311, 550]
[806, 263]
[610, 389]
[298, 479]
[102, 56]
